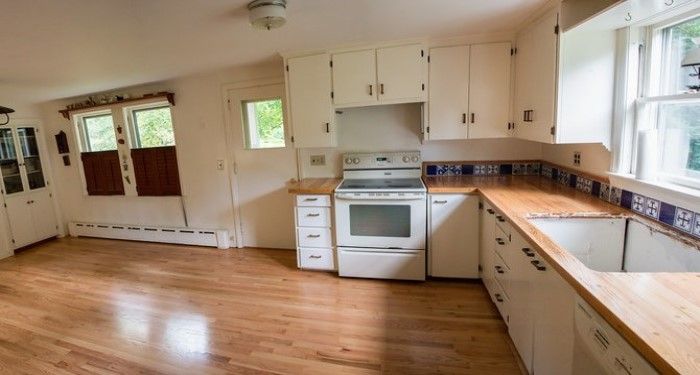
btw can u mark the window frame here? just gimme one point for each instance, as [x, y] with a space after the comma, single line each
[130, 115]
[649, 71]
[247, 134]
[83, 133]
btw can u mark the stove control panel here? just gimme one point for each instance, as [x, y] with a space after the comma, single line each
[382, 160]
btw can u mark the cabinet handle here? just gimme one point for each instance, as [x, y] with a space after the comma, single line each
[490, 211]
[472, 118]
[537, 265]
[499, 269]
[464, 118]
[313, 215]
[314, 256]
[500, 241]
[528, 252]
[328, 129]
[310, 199]
[370, 91]
[619, 363]
[500, 218]
[314, 235]
[381, 88]
[439, 202]
[498, 297]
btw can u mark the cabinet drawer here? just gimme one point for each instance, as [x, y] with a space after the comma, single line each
[314, 237]
[314, 217]
[503, 225]
[501, 301]
[502, 275]
[313, 200]
[501, 246]
[316, 259]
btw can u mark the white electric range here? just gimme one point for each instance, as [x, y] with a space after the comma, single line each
[380, 211]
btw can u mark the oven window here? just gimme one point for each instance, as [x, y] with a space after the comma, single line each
[380, 220]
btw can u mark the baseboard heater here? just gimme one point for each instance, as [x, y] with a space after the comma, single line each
[184, 236]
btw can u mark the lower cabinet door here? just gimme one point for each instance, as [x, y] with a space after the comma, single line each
[316, 259]
[454, 235]
[43, 215]
[381, 263]
[19, 213]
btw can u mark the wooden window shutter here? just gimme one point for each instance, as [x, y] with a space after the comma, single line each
[156, 171]
[103, 175]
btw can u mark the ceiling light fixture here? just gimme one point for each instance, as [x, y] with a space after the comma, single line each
[267, 14]
[6, 111]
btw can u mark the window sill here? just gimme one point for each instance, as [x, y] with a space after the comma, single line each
[677, 195]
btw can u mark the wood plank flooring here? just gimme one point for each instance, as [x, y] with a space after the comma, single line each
[90, 306]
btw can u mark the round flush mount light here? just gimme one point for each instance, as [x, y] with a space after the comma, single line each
[267, 14]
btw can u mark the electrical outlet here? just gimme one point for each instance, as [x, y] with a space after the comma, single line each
[318, 160]
[577, 158]
[220, 164]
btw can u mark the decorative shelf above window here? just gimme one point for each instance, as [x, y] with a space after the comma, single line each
[169, 96]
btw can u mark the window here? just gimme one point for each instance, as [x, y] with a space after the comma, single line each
[153, 127]
[263, 123]
[98, 133]
[670, 106]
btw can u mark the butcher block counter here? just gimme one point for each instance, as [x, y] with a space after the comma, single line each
[314, 186]
[658, 313]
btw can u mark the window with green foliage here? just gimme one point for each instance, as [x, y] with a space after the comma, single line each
[153, 127]
[263, 124]
[98, 133]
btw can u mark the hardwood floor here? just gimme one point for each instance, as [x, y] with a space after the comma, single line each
[83, 306]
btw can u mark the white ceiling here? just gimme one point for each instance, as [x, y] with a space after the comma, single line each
[52, 49]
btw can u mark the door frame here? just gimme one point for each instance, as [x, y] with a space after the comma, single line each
[230, 142]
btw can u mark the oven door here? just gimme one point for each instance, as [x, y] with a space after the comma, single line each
[381, 223]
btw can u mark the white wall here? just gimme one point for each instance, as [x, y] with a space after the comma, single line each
[595, 158]
[200, 137]
[397, 127]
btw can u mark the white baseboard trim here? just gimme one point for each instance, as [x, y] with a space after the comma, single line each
[184, 236]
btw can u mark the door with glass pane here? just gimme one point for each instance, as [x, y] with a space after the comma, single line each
[27, 138]
[10, 163]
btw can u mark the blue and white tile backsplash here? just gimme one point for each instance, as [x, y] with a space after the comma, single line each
[678, 218]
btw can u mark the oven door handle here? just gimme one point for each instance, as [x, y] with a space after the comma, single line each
[351, 198]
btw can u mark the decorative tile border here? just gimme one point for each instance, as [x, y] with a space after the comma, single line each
[482, 169]
[678, 218]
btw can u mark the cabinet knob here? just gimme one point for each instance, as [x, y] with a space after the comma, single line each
[328, 127]
[439, 202]
[313, 215]
[310, 199]
[370, 90]
[490, 211]
[314, 235]
[471, 120]
[528, 252]
[499, 269]
[314, 256]
[381, 88]
[537, 265]
[500, 241]
[500, 218]
[498, 297]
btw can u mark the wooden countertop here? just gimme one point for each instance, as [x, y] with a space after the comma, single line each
[658, 313]
[314, 186]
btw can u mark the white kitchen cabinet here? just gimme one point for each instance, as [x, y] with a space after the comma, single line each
[309, 101]
[314, 229]
[385, 75]
[553, 301]
[448, 99]
[469, 93]
[28, 199]
[522, 309]
[453, 248]
[489, 90]
[354, 78]
[400, 73]
[487, 233]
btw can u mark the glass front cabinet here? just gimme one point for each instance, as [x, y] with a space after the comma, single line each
[28, 201]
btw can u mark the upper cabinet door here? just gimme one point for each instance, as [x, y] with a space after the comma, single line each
[354, 78]
[489, 90]
[400, 73]
[32, 159]
[449, 93]
[10, 163]
[309, 91]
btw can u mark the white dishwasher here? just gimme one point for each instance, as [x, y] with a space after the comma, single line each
[599, 349]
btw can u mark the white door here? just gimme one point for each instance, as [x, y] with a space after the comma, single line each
[43, 215]
[489, 88]
[265, 161]
[449, 92]
[354, 78]
[19, 213]
[454, 235]
[311, 110]
[400, 73]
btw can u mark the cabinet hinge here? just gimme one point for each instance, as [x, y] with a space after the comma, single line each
[292, 139]
[552, 130]
[421, 53]
[556, 29]
[513, 51]
[422, 86]
[481, 206]
[427, 130]
[331, 94]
